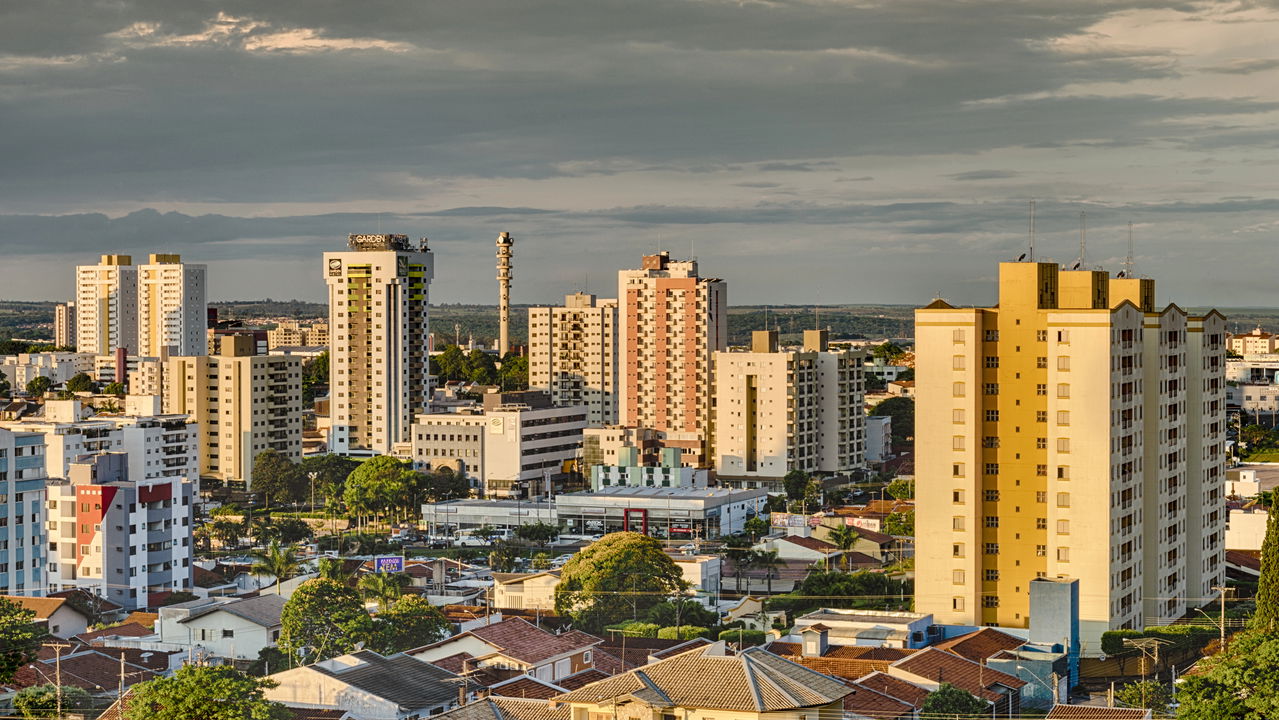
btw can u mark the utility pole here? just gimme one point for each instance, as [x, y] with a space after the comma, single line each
[57, 670]
[1222, 589]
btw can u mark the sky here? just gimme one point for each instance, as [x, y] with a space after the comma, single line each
[807, 151]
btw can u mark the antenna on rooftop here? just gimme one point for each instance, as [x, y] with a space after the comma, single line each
[1128, 260]
[1083, 237]
[1031, 257]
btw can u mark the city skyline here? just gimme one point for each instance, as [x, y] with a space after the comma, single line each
[848, 146]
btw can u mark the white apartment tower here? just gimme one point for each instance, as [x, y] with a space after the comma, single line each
[172, 307]
[22, 529]
[107, 305]
[246, 404]
[64, 327]
[671, 323]
[378, 323]
[791, 409]
[573, 355]
[1072, 430]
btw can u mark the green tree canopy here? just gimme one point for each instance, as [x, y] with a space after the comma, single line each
[81, 382]
[538, 533]
[4, 385]
[902, 411]
[1146, 694]
[796, 484]
[276, 478]
[950, 700]
[323, 619]
[330, 471]
[41, 701]
[113, 388]
[208, 692]
[900, 523]
[890, 352]
[845, 538]
[411, 622]
[20, 638]
[901, 488]
[383, 588]
[38, 386]
[514, 372]
[278, 561]
[755, 526]
[377, 485]
[681, 612]
[616, 578]
[482, 367]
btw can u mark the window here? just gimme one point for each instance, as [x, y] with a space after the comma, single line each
[228, 633]
[1063, 336]
[991, 575]
[991, 548]
[957, 415]
[957, 389]
[1041, 389]
[957, 336]
[957, 442]
[957, 362]
[992, 521]
[991, 388]
[1041, 496]
[992, 336]
[990, 601]
[957, 550]
[957, 604]
[1063, 499]
[1041, 335]
[992, 361]
[992, 495]
[957, 497]
[992, 468]
[990, 442]
[957, 577]
[1063, 527]
[1063, 445]
[1063, 417]
[1041, 363]
[1063, 363]
[1041, 416]
[1041, 443]
[1041, 523]
[1063, 554]
[992, 416]
[957, 470]
[957, 522]
[1041, 471]
[1063, 390]
[1041, 550]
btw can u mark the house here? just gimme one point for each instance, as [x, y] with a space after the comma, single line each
[870, 704]
[701, 572]
[236, 628]
[930, 667]
[56, 615]
[92, 669]
[807, 549]
[517, 644]
[880, 628]
[711, 681]
[1092, 712]
[848, 662]
[368, 686]
[509, 708]
[525, 591]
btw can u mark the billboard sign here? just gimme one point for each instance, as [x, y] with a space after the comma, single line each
[388, 563]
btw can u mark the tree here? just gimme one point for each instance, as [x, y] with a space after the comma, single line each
[514, 372]
[1146, 694]
[81, 382]
[950, 700]
[755, 526]
[768, 561]
[208, 692]
[38, 386]
[739, 551]
[292, 530]
[743, 637]
[177, 596]
[796, 483]
[323, 619]
[41, 701]
[901, 488]
[1239, 683]
[226, 531]
[681, 632]
[616, 578]
[902, 411]
[451, 364]
[330, 471]
[682, 612]
[275, 478]
[335, 569]
[538, 533]
[20, 638]
[503, 556]
[384, 588]
[483, 369]
[377, 485]
[4, 385]
[1267, 615]
[411, 622]
[278, 561]
[845, 538]
[890, 352]
[900, 523]
[541, 561]
[113, 388]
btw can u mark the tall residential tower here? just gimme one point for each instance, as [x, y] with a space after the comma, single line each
[1072, 430]
[173, 308]
[573, 355]
[106, 313]
[378, 327]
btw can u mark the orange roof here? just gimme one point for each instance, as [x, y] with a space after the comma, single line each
[965, 674]
[43, 607]
[980, 644]
[1090, 712]
[812, 544]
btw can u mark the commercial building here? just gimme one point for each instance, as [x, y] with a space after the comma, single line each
[609, 445]
[246, 403]
[119, 538]
[661, 512]
[173, 307]
[573, 355]
[782, 410]
[515, 444]
[64, 325]
[378, 319]
[22, 496]
[106, 305]
[1073, 430]
[672, 321]
[628, 472]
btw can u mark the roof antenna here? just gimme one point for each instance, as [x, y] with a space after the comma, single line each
[1128, 260]
[1032, 230]
[1083, 237]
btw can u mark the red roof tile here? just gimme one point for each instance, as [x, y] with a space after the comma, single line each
[871, 703]
[980, 645]
[939, 665]
[1089, 712]
[526, 687]
[880, 682]
[811, 544]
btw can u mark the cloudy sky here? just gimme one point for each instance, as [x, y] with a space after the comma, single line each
[808, 151]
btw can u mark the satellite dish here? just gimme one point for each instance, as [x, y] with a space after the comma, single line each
[1075, 266]
[1021, 257]
[1102, 657]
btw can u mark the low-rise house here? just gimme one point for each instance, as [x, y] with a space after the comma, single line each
[222, 627]
[866, 703]
[509, 708]
[806, 549]
[369, 686]
[880, 628]
[517, 644]
[701, 572]
[525, 591]
[711, 682]
[930, 667]
[55, 614]
[96, 670]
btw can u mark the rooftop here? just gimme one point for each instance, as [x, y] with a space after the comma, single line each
[508, 708]
[980, 644]
[1089, 712]
[403, 680]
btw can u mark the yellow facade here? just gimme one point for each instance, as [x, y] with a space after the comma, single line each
[1034, 448]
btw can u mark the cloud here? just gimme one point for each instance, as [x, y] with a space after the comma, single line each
[985, 175]
[1244, 66]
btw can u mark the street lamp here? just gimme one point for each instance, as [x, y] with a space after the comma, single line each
[313, 475]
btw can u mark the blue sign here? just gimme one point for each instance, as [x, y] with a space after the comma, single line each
[388, 563]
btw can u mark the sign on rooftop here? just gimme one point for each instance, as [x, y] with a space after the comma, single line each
[388, 563]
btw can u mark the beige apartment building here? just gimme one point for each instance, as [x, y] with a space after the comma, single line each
[106, 301]
[573, 355]
[1257, 342]
[672, 321]
[291, 333]
[245, 404]
[778, 410]
[64, 327]
[379, 327]
[1072, 430]
[173, 307]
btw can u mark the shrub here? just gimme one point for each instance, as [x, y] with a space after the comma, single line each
[681, 632]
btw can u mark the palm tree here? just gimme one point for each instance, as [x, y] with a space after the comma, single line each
[738, 549]
[845, 537]
[383, 588]
[334, 568]
[768, 560]
[278, 561]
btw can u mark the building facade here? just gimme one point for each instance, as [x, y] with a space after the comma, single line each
[119, 538]
[1257, 342]
[671, 322]
[782, 410]
[22, 524]
[59, 367]
[573, 355]
[378, 320]
[173, 307]
[1074, 431]
[246, 404]
[64, 325]
[106, 305]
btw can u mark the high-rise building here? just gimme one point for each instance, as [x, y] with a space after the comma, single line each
[778, 410]
[107, 305]
[119, 538]
[671, 322]
[1086, 439]
[290, 333]
[64, 327]
[573, 354]
[378, 321]
[246, 404]
[173, 308]
[22, 530]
